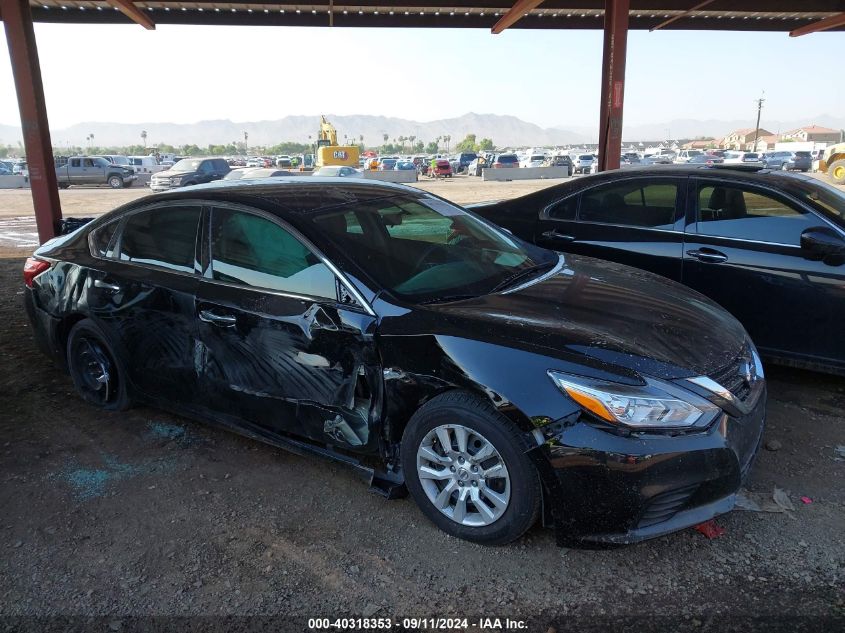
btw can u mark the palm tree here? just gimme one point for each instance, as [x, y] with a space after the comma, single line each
[144, 138]
[411, 139]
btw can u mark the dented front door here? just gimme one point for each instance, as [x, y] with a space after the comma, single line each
[279, 347]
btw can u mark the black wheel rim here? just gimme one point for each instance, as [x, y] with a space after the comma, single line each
[96, 373]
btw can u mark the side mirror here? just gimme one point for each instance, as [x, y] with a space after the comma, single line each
[823, 241]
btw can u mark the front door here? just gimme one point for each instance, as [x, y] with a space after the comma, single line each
[636, 221]
[281, 350]
[743, 250]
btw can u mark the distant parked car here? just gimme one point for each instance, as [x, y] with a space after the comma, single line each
[685, 155]
[560, 161]
[506, 161]
[463, 160]
[768, 246]
[705, 159]
[533, 160]
[739, 158]
[584, 163]
[284, 161]
[797, 161]
[387, 164]
[190, 171]
[442, 168]
[405, 165]
[338, 171]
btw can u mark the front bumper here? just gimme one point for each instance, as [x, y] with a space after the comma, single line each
[162, 185]
[606, 488]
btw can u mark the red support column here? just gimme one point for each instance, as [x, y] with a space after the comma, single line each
[613, 82]
[20, 36]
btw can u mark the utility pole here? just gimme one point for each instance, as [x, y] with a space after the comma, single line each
[246, 146]
[757, 129]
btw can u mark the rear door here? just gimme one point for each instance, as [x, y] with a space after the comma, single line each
[286, 346]
[743, 250]
[635, 221]
[142, 293]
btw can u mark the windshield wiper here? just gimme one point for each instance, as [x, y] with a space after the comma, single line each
[446, 299]
[521, 274]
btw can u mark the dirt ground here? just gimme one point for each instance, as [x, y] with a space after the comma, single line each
[123, 515]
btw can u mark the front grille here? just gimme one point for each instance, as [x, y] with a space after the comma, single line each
[732, 377]
[667, 504]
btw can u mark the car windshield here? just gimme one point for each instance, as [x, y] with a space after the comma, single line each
[187, 164]
[824, 197]
[585, 157]
[422, 248]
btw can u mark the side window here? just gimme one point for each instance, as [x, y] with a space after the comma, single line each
[563, 209]
[164, 237]
[221, 166]
[749, 215]
[206, 167]
[74, 162]
[253, 251]
[102, 238]
[88, 162]
[633, 203]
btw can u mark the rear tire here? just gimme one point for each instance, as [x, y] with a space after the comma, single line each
[97, 374]
[481, 487]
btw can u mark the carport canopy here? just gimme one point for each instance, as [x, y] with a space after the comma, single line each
[615, 17]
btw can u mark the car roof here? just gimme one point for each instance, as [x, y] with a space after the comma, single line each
[297, 194]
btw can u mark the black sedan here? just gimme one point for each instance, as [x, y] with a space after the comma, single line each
[387, 328]
[767, 246]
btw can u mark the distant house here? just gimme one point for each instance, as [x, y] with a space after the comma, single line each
[743, 139]
[705, 143]
[766, 143]
[813, 133]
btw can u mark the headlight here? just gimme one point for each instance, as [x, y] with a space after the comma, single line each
[176, 181]
[655, 405]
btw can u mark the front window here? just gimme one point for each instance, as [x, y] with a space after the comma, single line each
[423, 248]
[823, 197]
[749, 215]
[250, 250]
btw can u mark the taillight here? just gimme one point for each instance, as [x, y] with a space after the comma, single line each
[32, 268]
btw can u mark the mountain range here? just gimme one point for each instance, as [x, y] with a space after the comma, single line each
[505, 131]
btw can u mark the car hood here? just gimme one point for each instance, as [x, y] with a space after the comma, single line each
[612, 313]
[169, 173]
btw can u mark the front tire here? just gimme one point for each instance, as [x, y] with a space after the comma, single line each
[836, 171]
[466, 468]
[97, 374]
[116, 182]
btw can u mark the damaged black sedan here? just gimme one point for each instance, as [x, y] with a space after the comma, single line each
[384, 327]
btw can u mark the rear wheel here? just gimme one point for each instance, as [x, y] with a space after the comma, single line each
[465, 466]
[97, 374]
[836, 170]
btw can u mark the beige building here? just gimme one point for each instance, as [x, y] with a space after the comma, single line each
[813, 133]
[743, 139]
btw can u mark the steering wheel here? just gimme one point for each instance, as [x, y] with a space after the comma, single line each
[428, 251]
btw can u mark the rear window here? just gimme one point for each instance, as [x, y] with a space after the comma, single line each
[165, 238]
[538, 157]
[508, 158]
[804, 154]
[585, 157]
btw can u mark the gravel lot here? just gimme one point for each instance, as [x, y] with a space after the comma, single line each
[144, 513]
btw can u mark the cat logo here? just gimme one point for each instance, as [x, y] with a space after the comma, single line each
[340, 154]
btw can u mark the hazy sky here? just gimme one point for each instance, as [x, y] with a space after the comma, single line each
[185, 74]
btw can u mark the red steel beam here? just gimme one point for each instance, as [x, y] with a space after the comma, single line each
[515, 14]
[26, 70]
[675, 18]
[613, 82]
[822, 25]
[128, 8]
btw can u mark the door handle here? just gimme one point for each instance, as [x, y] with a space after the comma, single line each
[708, 255]
[99, 283]
[220, 320]
[560, 237]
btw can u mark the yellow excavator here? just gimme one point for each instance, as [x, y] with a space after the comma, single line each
[833, 163]
[329, 152]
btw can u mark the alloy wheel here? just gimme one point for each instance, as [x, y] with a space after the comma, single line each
[463, 475]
